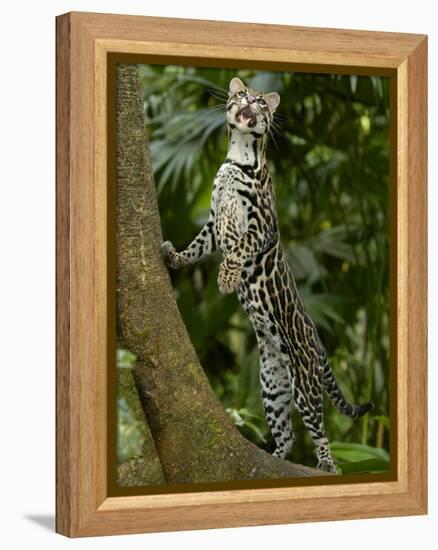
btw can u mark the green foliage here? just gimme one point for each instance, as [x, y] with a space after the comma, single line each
[129, 436]
[245, 420]
[373, 465]
[355, 458]
[355, 452]
[130, 422]
[330, 166]
[124, 359]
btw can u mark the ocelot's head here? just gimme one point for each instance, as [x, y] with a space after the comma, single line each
[249, 110]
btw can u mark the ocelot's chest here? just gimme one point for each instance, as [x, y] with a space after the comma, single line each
[231, 211]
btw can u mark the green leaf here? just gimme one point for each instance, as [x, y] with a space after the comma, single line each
[356, 452]
[322, 308]
[334, 242]
[242, 419]
[372, 465]
[125, 359]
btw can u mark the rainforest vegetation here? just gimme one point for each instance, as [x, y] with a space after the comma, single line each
[329, 159]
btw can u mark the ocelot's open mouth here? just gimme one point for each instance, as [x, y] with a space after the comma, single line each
[246, 116]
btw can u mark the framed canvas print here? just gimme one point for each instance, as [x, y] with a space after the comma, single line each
[241, 274]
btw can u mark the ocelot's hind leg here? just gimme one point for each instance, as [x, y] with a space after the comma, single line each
[310, 408]
[277, 397]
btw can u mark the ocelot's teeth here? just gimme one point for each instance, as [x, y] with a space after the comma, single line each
[247, 116]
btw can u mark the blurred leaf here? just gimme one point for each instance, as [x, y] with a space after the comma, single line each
[125, 359]
[365, 466]
[129, 436]
[355, 452]
[322, 308]
[334, 242]
[243, 418]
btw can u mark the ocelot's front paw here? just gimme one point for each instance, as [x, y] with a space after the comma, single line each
[170, 255]
[229, 276]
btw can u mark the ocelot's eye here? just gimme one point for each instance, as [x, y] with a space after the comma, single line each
[241, 94]
[262, 102]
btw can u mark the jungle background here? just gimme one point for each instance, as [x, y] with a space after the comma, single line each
[329, 159]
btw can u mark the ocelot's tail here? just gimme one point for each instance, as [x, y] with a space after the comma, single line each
[337, 397]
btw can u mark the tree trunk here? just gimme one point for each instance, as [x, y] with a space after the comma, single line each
[194, 438]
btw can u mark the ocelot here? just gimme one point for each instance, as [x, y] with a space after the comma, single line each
[243, 223]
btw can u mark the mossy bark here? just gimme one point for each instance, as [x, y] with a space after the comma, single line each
[194, 438]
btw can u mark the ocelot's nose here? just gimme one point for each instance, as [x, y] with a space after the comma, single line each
[250, 99]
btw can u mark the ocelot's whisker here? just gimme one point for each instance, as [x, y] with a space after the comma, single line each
[217, 94]
[217, 107]
[220, 90]
[274, 130]
[271, 135]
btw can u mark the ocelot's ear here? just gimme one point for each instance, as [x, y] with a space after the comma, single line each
[273, 100]
[236, 85]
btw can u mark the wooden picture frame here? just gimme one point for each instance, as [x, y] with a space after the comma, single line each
[84, 43]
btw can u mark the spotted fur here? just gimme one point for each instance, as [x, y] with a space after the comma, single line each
[243, 223]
